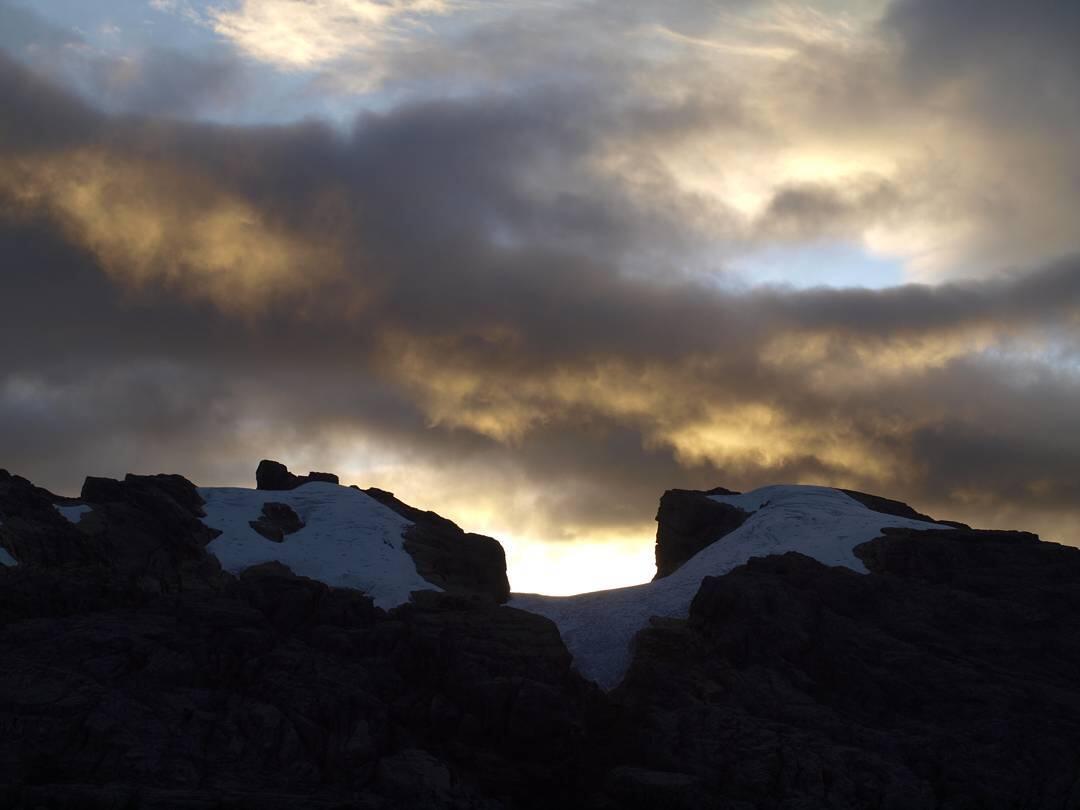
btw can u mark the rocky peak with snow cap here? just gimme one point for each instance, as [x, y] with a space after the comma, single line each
[821, 522]
[322, 646]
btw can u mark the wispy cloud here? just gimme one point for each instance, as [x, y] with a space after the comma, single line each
[303, 34]
[514, 269]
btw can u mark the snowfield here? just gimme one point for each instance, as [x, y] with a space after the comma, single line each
[73, 514]
[819, 522]
[349, 539]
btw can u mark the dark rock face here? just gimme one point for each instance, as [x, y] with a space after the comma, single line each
[277, 521]
[144, 531]
[687, 522]
[456, 561]
[280, 692]
[275, 477]
[888, 506]
[33, 532]
[134, 675]
[944, 679]
[147, 529]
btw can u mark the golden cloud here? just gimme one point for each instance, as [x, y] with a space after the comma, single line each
[151, 223]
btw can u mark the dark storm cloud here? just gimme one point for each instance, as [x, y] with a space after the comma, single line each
[448, 282]
[1023, 56]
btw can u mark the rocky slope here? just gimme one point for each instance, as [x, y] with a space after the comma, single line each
[916, 667]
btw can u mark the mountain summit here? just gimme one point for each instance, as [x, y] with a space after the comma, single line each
[307, 644]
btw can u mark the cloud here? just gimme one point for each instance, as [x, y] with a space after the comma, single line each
[151, 223]
[125, 76]
[494, 303]
[295, 34]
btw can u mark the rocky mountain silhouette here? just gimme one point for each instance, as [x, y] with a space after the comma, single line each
[305, 644]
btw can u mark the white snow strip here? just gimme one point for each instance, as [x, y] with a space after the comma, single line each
[6, 559]
[819, 522]
[349, 539]
[73, 513]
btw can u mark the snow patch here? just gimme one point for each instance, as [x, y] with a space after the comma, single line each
[6, 559]
[349, 539]
[73, 513]
[820, 522]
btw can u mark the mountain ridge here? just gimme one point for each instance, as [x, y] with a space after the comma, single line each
[934, 667]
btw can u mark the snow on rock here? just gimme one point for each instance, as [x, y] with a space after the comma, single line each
[349, 540]
[819, 522]
[73, 513]
[6, 559]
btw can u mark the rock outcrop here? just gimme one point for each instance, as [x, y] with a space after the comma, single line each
[941, 680]
[687, 522]
[144, 531]
[137, 675]
[274, 476]
[446, 556]
[277, 521]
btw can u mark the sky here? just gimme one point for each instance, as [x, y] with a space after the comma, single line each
[530, 264]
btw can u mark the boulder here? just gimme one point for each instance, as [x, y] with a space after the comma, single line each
[274, 476]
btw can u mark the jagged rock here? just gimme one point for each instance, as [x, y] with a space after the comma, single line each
[277, 521]
[34, 533]
[282, 692]
[944, 678]
[275, 477]
[147, 529]
[887, 506]
[939, 681]
[687, 522]
[177, 487]
[446, 556]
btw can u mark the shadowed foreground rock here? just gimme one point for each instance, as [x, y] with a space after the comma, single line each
[136, 674]
[945, 679]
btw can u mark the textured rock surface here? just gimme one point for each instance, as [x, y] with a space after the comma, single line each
[687, 522]
[274, 476]
[277, 521]
[941, 680]
[136, 676]
[277, 691]
[887, 506]
[456, 561]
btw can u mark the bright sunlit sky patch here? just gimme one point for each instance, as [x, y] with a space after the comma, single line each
[835, 264]
[531, 263]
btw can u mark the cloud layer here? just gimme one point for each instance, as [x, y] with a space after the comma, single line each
[511, 304]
